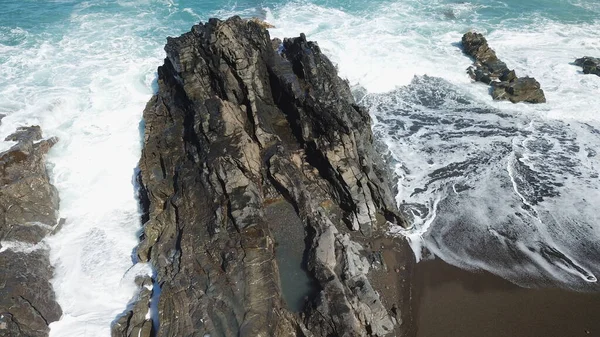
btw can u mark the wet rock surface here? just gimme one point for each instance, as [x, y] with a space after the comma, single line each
[240, 126]
[487, 68]
[135, 322]
[28, 212]
[590, 65]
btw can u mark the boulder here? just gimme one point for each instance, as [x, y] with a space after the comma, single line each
[490, 70]
[28, 212]
[524, 89]
[241, 124]
[590, 65]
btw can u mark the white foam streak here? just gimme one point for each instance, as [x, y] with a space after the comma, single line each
[21, 247]
[420, 226]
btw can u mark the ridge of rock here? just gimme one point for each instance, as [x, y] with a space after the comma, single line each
[243, 126]
[28, 212]
[490, 70]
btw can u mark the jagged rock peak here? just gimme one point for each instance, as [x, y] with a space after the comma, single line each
[490, 70]
[242, 129]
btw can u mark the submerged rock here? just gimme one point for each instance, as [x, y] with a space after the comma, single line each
[241, 124]
[492, 71]
[28, 212]
[590, 65]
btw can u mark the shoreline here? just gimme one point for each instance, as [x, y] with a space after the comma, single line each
[450, 301]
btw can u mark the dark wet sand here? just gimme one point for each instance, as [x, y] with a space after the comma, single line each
[451, 302]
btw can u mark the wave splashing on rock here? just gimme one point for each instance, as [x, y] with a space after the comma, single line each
[513, 194]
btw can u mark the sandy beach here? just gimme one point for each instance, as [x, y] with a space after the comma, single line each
[453, 302]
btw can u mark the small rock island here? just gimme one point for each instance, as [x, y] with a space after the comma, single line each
[247, 136]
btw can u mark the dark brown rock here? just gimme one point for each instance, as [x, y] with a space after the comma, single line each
[490, 70]
[590, 65]
[135, 321]
[28, 209]
[241, 124]
[524, 89]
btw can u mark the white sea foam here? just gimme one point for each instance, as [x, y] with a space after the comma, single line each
[379, 50]
[97, 122]
[21, 247]
[404, 41]
[88, 87]
[384, 48]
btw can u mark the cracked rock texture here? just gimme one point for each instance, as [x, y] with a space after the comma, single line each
[241, 126]
[28, 210]
[491, 70]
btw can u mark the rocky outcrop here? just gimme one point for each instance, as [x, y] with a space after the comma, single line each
[590, 65]
[28, 210]
[491, 70]
[135, 322]
[241, 130]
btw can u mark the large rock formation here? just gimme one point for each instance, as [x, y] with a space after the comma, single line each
[490, 70]
[590, 65]
[28, 208]
[246, 136]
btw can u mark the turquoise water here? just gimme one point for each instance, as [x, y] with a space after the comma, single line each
[83, 70]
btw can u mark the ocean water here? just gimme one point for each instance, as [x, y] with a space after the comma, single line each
[512, 189]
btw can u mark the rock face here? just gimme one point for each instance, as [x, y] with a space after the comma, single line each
[590, 65]
[241, 129]
[134, 322]
[28, 208]
[490, 70]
